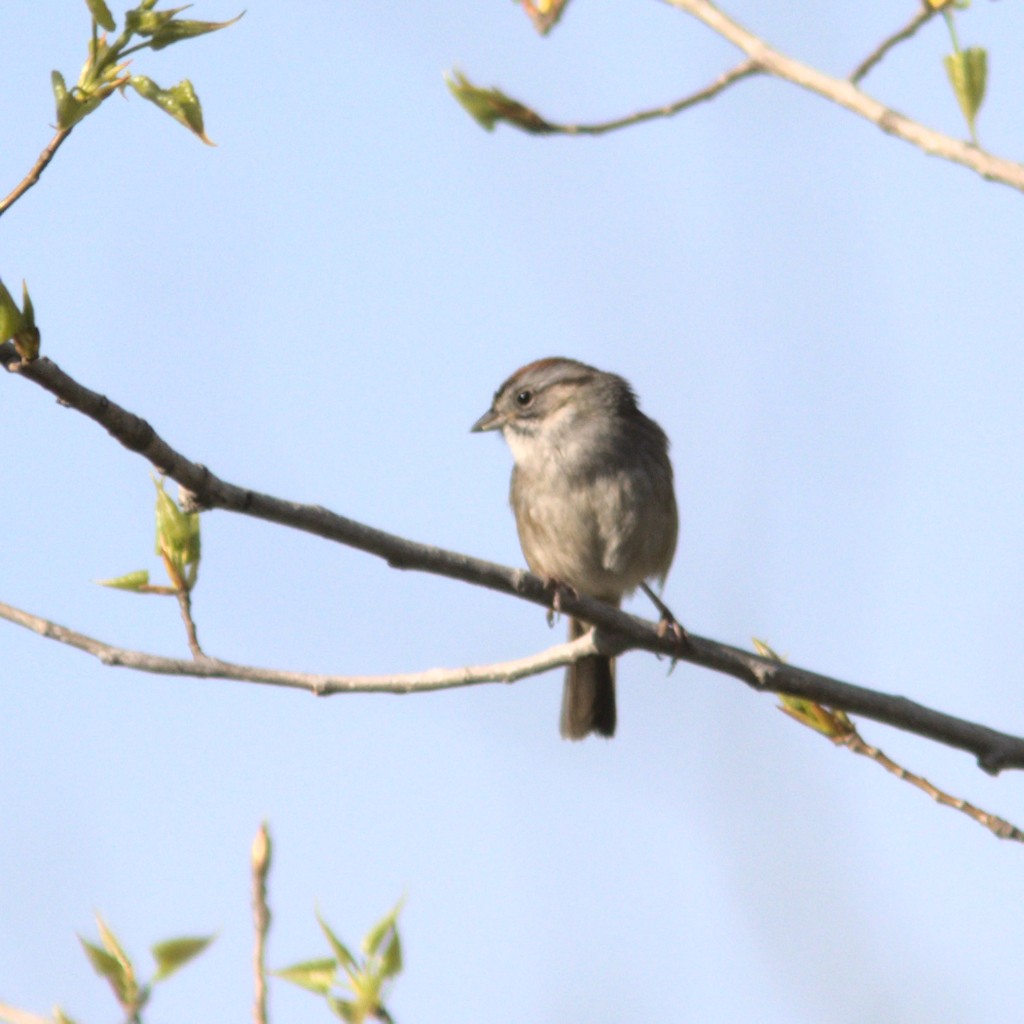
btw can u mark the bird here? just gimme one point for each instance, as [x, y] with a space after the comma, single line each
[594, 503]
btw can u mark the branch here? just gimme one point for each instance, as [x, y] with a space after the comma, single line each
[875, 57]
[318, 684]
[184, 596]
[838, 727]
[846, 94]
[999, 827]
[37, 169]
[616, 630]
[260, 863]
[742, 70]
[12, 1015]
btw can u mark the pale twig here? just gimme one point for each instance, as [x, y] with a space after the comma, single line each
[998, 826]
[12, 1015]
[846, 94]
[319, 684]
[37, 169]
[924, 15]
[260, 859]
[994, 750]
[837, 726]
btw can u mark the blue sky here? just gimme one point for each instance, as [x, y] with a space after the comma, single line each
[826, 323]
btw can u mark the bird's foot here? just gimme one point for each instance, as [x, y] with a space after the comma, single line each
[557, 590]
[667, 624]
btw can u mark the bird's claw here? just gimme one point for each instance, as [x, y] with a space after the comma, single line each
[667, 624]
[558, 588]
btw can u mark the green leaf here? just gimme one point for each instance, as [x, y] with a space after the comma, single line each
[117, 968]
[27, 309]
[101, 14]
[60, 89]
[180, 102]
[392, 960]
[341, 951]
[375, 936]
[813, 715]
[177, 533]
[968, 74]
[74, 105]
[346, 1010]
[129, 581]
[109, 967]
[176, 31]
[366, 987]
[144, 21]
[314, 975]
[26, 341]
[18, 325]
[172, 954]
[11, 318]
[60, 1017]
[489, 106]
[112, 944]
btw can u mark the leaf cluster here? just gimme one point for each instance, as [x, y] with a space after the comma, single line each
[177, 544]
[354, 987]
[111, 962]
[106, 66]
[19, 325]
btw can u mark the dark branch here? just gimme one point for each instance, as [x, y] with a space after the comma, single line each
[617, 631]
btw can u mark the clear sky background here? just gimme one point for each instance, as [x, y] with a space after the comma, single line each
[826, 322]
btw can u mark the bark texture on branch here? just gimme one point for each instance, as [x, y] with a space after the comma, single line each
[616, 631]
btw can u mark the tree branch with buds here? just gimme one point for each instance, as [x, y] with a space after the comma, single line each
[615, 631]
[491, 106]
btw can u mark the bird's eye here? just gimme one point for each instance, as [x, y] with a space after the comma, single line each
[524, 398]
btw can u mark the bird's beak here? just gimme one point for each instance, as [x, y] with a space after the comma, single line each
[490, 420]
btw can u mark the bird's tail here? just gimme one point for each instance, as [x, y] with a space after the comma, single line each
[588, 698]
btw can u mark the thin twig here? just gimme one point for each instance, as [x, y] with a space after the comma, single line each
[185, 605]
[13, 1015]
[998, 826]
[616, 631]
[319, 684]
[837, 726]
[847, 95]
[742, 70]
[260, 858]
[37, 169]
[184, 596]
[924, 15]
